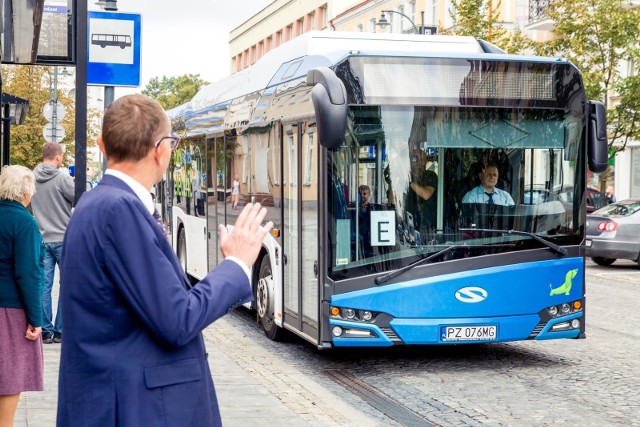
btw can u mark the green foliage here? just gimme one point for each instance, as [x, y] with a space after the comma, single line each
[598, 36]
[171, 92]
[33, 83]
[480, 19]
[595, 35]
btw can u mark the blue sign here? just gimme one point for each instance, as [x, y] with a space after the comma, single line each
[113, 49]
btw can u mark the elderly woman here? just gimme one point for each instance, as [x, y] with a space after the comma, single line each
[21, 280]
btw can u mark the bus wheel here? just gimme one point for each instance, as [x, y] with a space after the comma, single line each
[264, 300]
[182, 250]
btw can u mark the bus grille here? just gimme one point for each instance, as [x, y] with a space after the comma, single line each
[536, 330]
[391, 334]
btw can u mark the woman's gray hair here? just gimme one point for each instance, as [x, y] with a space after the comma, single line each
[16, 182]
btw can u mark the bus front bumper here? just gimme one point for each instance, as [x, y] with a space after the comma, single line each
[443, 331]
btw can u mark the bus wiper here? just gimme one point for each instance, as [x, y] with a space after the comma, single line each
[385, 278]
[560, 251]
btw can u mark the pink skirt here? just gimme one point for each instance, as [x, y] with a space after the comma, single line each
[21, 361]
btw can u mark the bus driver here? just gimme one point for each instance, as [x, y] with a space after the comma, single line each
[487, 192]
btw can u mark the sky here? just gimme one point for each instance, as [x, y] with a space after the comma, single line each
[186, 36]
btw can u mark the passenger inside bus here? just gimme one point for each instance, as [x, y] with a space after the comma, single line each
[364, 221]
[421, 197]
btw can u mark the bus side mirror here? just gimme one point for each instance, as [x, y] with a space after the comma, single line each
[329, 98]
[597, 150]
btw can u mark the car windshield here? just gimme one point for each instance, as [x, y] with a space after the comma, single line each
[623, 208]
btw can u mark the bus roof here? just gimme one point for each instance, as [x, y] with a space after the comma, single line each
[332, 47]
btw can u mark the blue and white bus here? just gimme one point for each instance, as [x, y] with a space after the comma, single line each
[327, 113]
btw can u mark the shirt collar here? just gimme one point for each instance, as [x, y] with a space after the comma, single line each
[143, 194]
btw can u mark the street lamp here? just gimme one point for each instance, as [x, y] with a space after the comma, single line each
[109, 5]
[382, 22]
[14, 111]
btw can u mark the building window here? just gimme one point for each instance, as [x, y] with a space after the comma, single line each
[308, 165]
[323, 16]
[359, 28]
[312, 21]
[274, 149]
[292, 161]
[300, 27]
[448, 20]
[432, 13]
[268, 43]
[402, 19]
[246, 153]
[412, 10]
[372, 25]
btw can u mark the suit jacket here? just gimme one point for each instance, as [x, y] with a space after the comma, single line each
[133, 353]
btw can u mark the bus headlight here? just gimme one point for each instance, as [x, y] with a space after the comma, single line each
[336, 331]
[553, 310]
[367, 315]
[349, 313]
[565, 308]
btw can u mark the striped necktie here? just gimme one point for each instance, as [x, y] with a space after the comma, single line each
[490, 201]
[158, 218]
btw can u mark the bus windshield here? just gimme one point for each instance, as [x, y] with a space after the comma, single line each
[410, 181]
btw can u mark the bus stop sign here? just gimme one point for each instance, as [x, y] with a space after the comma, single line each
[113, 48]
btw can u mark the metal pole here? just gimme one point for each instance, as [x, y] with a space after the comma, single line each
[108, 100]
[6, 133]
[422, 22]
[80, 8]
[54, 104]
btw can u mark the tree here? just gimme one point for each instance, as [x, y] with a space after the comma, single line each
[171, 92]
[480, 19]
[33, 83]
[599, 37]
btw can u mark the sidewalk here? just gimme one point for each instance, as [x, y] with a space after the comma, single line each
[253, 386]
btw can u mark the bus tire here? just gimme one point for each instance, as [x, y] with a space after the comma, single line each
[182, 250]
[264, 300]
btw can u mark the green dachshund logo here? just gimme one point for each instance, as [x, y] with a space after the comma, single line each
[565, 288]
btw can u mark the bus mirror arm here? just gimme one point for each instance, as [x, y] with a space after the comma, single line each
[329, 98]
[597, 149]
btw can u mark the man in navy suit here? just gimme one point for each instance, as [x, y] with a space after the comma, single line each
[133, 353]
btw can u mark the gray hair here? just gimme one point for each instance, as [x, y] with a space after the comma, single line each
[16, 182]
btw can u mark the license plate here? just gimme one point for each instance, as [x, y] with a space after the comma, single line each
[468, 333]
[588, 243]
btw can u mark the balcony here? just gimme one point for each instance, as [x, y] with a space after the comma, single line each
[539, 20]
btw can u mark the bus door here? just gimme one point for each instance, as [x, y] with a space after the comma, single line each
[215, 195]
[226, 171]
[300, 193]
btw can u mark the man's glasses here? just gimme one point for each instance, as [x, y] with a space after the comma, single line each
[173, 141]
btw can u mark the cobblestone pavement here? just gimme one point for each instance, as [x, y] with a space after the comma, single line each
[592, 382]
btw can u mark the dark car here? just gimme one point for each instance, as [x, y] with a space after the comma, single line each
[593, 196]
[613, 232]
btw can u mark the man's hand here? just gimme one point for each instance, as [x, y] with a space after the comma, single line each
[245, 240]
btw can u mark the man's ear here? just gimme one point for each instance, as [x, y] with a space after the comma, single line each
[100, 143]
